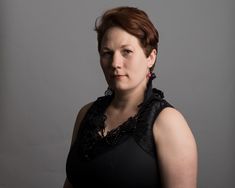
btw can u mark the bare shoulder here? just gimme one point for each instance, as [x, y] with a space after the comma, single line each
[81, 114]
[176, 149]
[170, 122]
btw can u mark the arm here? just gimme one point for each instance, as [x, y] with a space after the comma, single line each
[176, 149]
[78, 121]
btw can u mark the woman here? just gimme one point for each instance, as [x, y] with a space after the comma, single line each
[131, 137]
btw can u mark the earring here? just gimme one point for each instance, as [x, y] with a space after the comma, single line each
[153, 75]
[149, 75]
[108, 92]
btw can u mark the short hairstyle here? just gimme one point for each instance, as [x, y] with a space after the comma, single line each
[132, 20]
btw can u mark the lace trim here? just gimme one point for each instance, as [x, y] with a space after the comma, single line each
[139, 126]
[113, 136]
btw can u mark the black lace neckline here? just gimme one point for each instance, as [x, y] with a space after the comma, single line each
[128, 125]
[137, 126]
[117, 129]
[113, 135]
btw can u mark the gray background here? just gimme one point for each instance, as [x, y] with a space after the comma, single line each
[49, 68]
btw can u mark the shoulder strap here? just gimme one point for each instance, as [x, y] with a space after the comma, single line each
[148, 113]
[92, 117]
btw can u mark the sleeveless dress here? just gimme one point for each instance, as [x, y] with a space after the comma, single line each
[124, 158]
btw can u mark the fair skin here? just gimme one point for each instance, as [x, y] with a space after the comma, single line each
[125, 67]
[176, 150]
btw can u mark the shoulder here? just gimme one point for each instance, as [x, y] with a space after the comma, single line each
[170, 122]
[84, 109]
[176, 148]
[81, 114]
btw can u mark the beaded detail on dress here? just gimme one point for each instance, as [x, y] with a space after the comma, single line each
[113, 136]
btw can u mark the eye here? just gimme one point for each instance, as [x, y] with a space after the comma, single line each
[127, 52]
[106, 54]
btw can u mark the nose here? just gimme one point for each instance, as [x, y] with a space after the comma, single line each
[116, 60]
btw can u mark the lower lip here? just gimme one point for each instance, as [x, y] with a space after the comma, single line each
[119, 76]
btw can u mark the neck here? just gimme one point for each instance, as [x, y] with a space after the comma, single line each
[128, 100]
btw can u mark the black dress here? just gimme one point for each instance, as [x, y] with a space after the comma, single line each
[124, 158]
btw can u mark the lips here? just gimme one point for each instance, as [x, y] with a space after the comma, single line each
[119, 76]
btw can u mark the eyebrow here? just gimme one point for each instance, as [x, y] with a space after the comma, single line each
[122, 46]
[105, 48]
[125, 45]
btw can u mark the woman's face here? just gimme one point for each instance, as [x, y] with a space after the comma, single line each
[123, 61]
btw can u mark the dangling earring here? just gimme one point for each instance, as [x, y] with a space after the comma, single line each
[149, 75]
[108, 91]
[153, 76]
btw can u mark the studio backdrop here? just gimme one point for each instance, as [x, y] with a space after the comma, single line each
[49, 69]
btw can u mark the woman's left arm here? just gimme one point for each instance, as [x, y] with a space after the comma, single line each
[176, 150]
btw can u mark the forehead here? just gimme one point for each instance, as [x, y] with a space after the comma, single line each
[116, 36]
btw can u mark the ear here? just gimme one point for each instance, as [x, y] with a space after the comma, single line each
[152, 58]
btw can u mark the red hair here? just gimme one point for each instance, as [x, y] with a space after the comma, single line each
[133, 21]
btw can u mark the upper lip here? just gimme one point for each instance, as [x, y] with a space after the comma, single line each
[118, 75]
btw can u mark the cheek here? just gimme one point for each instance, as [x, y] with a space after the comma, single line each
[105, 62]
[103, 65]
[105, 70]
[139, 65]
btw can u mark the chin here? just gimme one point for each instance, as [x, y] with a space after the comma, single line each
[121, 88]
